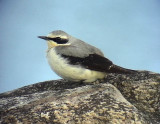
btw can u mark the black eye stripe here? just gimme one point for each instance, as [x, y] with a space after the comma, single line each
[58, 40]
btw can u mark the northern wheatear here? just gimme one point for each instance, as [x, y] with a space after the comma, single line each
[75, 60]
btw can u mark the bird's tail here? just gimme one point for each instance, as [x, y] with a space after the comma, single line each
[117, 69]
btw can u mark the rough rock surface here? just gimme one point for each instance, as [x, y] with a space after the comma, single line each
[119, 99]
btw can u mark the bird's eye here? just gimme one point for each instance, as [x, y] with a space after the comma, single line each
[58, 38]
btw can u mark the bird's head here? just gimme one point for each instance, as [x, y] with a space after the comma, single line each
[56, 38]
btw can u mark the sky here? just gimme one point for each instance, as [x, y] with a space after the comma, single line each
[128, 33]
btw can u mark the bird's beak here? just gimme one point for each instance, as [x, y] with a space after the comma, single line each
[43, 37]
[50, 43]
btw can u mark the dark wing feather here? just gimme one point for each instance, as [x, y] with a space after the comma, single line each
[97, 63]
[93, 61]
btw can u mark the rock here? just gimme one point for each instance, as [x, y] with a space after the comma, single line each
[118, 99]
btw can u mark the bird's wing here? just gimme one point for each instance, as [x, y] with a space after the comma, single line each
[93, 61]
[98, 63]
[90, 58]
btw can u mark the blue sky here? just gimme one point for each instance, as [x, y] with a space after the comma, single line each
[128, 32]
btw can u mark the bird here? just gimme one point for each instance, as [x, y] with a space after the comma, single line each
[77, 61]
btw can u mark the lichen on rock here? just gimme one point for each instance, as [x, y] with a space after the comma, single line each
[118, 99]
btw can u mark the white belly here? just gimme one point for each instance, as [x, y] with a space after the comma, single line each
[71, 73]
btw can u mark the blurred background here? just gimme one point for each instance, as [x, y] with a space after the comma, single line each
[128, 32]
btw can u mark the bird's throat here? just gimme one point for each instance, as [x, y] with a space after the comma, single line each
[51, 44]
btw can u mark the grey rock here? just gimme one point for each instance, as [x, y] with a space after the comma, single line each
[127, 99]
